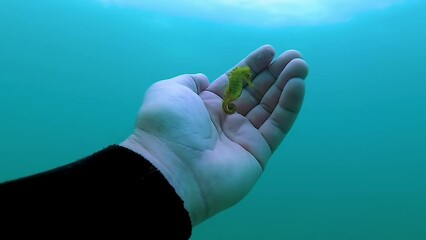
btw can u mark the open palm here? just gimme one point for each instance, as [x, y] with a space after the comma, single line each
[213, 159]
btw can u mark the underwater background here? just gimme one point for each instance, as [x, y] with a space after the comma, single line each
[73, 75]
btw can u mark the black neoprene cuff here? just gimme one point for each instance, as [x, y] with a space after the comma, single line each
[113, 191]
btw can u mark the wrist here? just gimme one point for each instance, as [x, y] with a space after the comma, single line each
[173, 168]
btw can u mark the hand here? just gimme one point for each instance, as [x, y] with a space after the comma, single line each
[210, 158]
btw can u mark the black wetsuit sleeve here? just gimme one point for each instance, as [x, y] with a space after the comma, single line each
[114, 191]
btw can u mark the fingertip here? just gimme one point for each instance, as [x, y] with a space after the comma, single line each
[299, 68]
[268, 50]
[292, 53]
[283, 60]
[260, 58]
[298, 61]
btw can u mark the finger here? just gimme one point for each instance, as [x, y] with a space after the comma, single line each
[285, 58]
[296, 68]
[257, 60]
[277, 126]
[263, 82]
[196, 82]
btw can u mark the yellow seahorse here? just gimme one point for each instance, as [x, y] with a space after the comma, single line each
[235, 87]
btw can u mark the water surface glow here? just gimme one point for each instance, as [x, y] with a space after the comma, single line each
[263, 12]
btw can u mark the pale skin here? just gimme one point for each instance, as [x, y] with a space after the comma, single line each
[210, 158]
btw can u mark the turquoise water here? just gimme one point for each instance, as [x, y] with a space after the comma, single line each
[73, 74]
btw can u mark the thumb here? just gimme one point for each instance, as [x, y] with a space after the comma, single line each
[196, 82]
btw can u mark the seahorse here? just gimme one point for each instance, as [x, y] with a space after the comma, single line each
[235, 87]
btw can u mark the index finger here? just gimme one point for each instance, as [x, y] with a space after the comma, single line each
[258, 60]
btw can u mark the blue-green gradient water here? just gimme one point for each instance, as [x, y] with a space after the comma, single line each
[73, 75]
